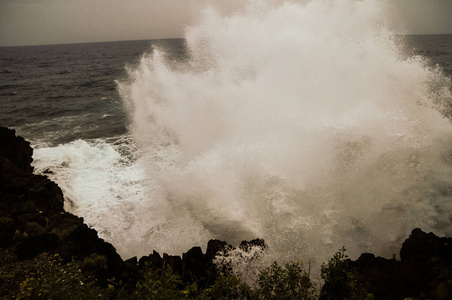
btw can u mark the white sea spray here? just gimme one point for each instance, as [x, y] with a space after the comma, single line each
[302, 124]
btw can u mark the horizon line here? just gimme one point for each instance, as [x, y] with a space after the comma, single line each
[161, 39]
[94, 42]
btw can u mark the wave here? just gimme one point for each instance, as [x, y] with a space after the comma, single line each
[300, 123]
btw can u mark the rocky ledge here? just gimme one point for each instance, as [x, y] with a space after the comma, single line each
[33, 222]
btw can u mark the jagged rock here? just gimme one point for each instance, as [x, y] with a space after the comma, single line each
[213, 247]
[247, 245]
[424, 271]
[425, 246]
[130, 270]
[14, 150]
[132, 263]
[175, 262]
[154, 259]
[194, 265]
[20, 189]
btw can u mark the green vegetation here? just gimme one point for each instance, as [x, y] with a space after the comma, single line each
[341, 281]
[291, 282]
[53, 279]
[155, 284]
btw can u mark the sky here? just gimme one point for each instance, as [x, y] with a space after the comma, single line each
[39, 22]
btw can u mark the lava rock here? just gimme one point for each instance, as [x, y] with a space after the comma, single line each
[15, 150]
[424, 271]
[247, 245]
[174, 261]
[154, 260]
[194, 265]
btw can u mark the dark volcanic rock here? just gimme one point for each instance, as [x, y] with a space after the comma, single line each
[83, 242]
[14, 151]
[247, 245]
[213, 247]
[20, 190]
[195, 269]
[34, 245]
[32, 216]
[175, 262]
[193, 266]
[154, 259]
[421, 246]
[424, 271]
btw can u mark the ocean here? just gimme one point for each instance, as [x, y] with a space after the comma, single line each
[60, 93]
[310, 137]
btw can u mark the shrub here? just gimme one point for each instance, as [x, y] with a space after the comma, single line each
[290, 282]
[227, 287]
[94, 262]
[54, 280]
[50, 278]
[158, 284]
[341, 280]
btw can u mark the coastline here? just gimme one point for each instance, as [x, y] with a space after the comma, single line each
[33, 223]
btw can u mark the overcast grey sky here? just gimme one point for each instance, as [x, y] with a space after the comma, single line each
[32, 22]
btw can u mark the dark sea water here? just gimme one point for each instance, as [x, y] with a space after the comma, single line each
[436, 48]
[59, 93]
[225, 150]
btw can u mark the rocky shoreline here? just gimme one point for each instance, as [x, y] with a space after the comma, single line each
[33, 222]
